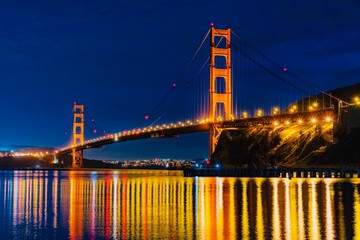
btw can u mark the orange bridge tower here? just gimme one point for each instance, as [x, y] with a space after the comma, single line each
[78, 135]
[220, 70]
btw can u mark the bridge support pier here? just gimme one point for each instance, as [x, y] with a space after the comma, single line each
[56, 159]
[214, 135]
[77, 158]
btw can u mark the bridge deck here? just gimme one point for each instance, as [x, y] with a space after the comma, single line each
[188, 127]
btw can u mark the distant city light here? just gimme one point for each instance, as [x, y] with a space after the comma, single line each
[146, 117]
[284, 69]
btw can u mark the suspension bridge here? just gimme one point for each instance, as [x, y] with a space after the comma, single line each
[222, 95]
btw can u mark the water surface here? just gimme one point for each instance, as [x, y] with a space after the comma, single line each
[155, 204]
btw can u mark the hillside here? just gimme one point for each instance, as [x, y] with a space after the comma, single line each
[23, 162]
[298, 145]
[261, 146]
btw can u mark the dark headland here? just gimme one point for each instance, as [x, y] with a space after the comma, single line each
[298, 145]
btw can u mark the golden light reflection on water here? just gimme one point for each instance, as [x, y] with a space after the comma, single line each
[356, 213]
[275, 214]
[163, 204]
[300, 209]
[329, 211]
[244, 210]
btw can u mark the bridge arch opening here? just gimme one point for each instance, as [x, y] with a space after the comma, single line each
[220, 41]
[220, 85]
[78, 119]
[220, 62]
[78, 110]
[220, 111]
[78, 130]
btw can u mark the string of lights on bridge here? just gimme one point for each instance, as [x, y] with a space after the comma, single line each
[182, 124]
[259, 113]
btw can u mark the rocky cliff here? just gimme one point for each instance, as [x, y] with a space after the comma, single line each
[296, 145]
[264, 146]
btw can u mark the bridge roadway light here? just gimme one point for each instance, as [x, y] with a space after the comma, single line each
[245, 115]
[293, 109]
[328, 119]
[357, 101]
[276, 110]
[313, 120]
[259, 112]
[315, 105]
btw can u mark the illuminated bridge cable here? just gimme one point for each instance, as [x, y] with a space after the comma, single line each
[172, 88]
[268, 70]
[91, 128]
[178, 97]
[314, 87]
[95, 128]
[181, 75]
[189, 83]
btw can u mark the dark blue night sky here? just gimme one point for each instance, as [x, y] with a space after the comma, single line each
[120, 57]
